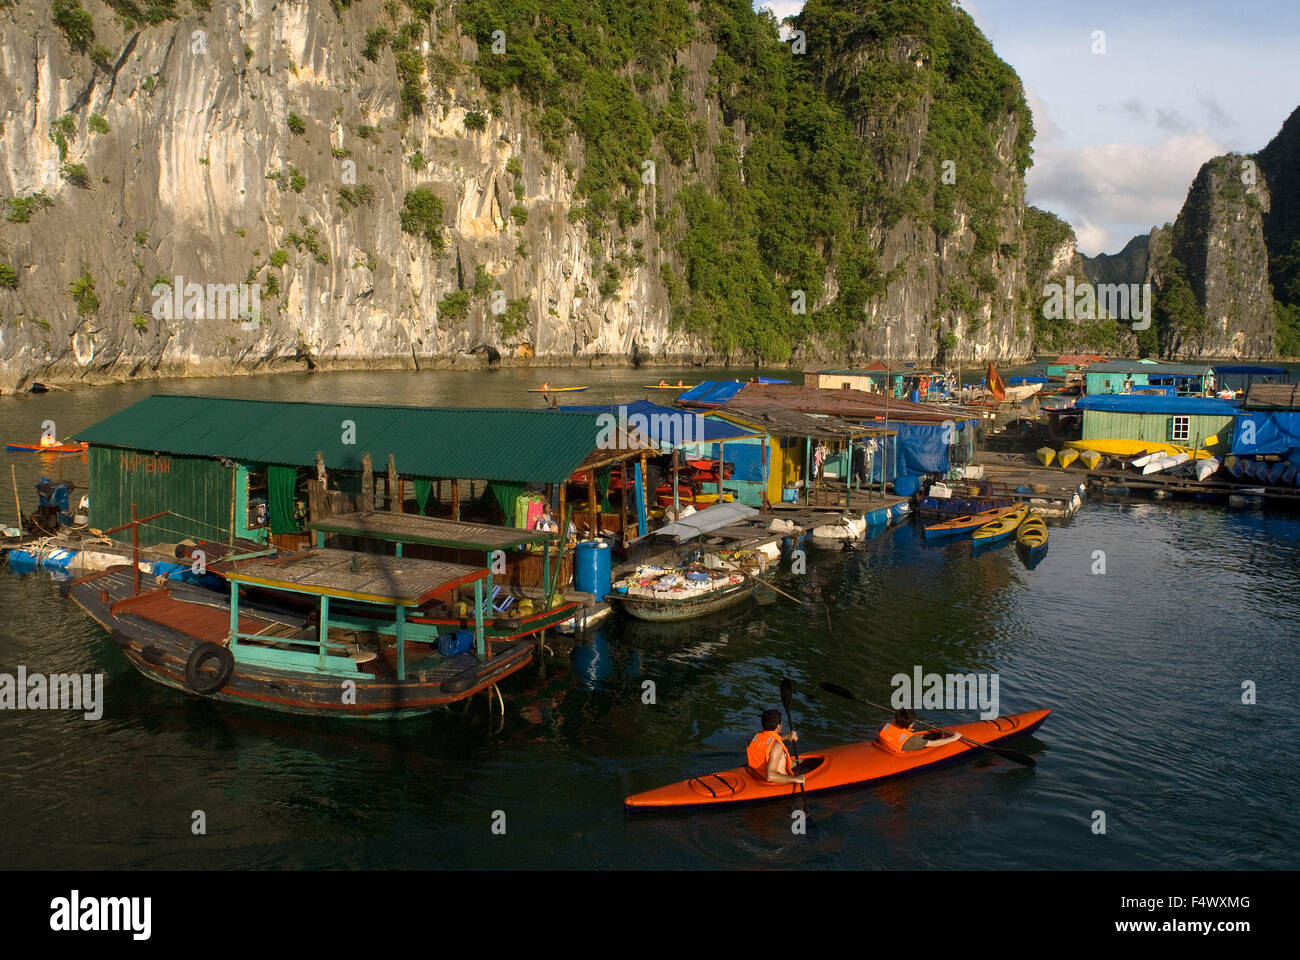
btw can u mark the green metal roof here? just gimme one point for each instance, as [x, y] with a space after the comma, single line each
[519, 446]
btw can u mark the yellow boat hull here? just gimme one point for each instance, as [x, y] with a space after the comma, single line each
[1066, 457]
[1003, 526]
[1132, 448]
[1045, 455]
[1032, 533]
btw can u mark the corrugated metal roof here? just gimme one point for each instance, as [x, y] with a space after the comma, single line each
[1181, 406]
[520, 446]
[1151, 369]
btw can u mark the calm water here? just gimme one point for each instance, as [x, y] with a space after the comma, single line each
[1143, 666]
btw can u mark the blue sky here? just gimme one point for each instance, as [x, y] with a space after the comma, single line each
[1121, 134]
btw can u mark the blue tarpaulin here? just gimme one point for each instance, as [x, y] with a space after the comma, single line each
[668, 425]
[1261, 432]
[922, 449]
[712, 392]
[1180, 406]
[748, 458]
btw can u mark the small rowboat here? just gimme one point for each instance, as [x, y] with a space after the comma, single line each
[1066, 457]
[49, 448]
[1045, 455]
[1090, 459]
[545, 389]
[1031, 540]
[958, 526]
[852, 765]
[669, 386]
[1001, 528]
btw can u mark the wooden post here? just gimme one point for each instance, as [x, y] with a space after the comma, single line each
[366, 501]
[645, 493]
[394, 488]
[17, 506]
[593, 528]
[622, 502]
[455, 499]
[564, 530]
[320, 468]
[135, 551]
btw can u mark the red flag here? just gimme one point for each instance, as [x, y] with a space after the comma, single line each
[996, 386]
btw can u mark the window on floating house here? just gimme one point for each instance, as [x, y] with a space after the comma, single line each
[1180, 429]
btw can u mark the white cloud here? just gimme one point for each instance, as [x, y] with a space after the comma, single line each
[782, 8]
[1109, 192]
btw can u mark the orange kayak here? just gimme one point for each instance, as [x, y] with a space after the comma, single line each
[49, 447]
[967, 524]
[851, 765]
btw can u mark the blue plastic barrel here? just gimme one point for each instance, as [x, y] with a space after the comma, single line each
[591, 568]
[916, 396]
[906, 485]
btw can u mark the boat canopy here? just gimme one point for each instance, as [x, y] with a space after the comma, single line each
[706, 521]
[346, 574]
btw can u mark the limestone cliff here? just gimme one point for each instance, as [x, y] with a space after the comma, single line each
[393, 197]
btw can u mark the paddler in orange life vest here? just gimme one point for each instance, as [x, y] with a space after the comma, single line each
[767, 755]
[899, 737]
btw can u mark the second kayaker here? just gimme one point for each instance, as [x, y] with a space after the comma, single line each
[767, 754]
[900, 737]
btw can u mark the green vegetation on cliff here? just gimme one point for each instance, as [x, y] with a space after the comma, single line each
[789, 196]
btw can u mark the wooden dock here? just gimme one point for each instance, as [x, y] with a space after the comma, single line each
[1103, 480]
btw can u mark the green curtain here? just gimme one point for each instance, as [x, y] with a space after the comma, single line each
[602, 488]
[281, 487]
[423, 490]
[505, 495]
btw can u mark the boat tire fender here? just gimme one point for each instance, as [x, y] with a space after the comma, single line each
[151, 654]
[209, 683]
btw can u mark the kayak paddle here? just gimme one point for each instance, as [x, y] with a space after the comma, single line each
[1013, 755]
[787, 694]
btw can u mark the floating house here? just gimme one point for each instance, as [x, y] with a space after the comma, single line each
[227, 470]
[1125, 376]
[1193, 421]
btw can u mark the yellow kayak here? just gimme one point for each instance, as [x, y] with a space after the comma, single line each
[1002, 527]
[1045, 455]
[1032, 532]
[1067, 457]
[1090, 459]
[1133, 448]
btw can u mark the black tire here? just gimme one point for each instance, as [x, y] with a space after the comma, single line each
[209, 683]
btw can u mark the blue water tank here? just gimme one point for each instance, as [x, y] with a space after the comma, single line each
[916, 396]
[591, 568]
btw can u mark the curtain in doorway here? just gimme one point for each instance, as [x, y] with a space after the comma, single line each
[281, 488]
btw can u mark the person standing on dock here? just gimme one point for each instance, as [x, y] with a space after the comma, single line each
[767, 755]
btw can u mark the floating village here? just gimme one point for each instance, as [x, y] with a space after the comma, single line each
[361, 561]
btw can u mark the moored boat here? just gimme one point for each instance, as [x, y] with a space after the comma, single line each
[322, 663]
[1001, 528]
[851, 765]
[1031, 539]
[1066, 457]
[1045, 455]
[546, 388]
[959, 526]
[682, 598]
